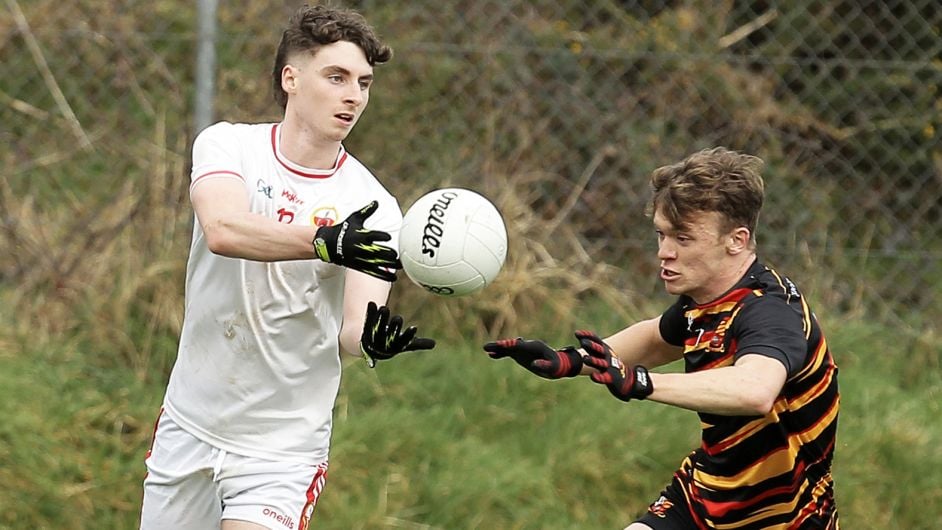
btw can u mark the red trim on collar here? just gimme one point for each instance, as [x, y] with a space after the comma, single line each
[308, 173]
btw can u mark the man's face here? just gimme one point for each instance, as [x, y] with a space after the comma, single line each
[328, 92]
[695, 260]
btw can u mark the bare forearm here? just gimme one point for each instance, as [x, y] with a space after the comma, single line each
[731, 391]
[641, 343]
[359, 290]
[254, 237]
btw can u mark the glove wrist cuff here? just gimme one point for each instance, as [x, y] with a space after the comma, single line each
[643, 386]
[575, 361]
[320, 249]
[370, 361]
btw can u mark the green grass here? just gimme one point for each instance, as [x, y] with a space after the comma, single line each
[452, 440]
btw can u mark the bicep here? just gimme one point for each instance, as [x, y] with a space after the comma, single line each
[767, 374]
[214, 198]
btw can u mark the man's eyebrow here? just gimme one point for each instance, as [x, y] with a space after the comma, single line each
[335, 69]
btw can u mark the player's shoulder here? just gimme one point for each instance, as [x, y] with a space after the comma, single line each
[226, 129]
[771, 284]
[367, 177]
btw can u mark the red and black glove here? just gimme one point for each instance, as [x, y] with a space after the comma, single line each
[350, 245]
[383, 337]
[536, 356]
[624, 382]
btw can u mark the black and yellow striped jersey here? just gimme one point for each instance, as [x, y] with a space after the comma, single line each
[771, 471]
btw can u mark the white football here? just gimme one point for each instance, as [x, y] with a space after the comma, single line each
[453, 242]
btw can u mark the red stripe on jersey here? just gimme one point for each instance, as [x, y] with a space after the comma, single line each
[733, 296]
[217, 173]
[720, 509]
[274, 148]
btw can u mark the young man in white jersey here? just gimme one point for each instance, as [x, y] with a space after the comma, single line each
[290, 263]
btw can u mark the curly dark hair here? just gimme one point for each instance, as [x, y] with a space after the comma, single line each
[314, 26]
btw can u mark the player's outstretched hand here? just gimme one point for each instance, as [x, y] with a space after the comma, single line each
[383, 337]
[536, 356]
[624, 382]
[350, 245]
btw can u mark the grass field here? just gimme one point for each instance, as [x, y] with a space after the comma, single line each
[452, 440]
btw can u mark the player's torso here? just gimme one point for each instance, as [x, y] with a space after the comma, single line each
[743, 458]
[258, 363]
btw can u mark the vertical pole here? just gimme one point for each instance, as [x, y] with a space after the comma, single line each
[205, 65]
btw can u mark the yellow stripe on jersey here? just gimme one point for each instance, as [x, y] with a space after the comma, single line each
[776, 463]
[711, 310]
[820, 354]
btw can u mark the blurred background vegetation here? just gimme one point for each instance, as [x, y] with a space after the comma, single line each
[557, 110]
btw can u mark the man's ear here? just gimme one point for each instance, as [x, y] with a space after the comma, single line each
[738, 240]
[289, 79]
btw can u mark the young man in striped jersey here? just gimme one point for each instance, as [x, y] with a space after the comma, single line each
[757, 367]
[292, 256]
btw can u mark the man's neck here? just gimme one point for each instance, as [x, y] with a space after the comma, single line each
[736, 272]
[304, 147]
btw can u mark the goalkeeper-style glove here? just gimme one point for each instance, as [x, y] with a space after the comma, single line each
[624, 382]
[383, 337]
[536, 356]
[350, 245]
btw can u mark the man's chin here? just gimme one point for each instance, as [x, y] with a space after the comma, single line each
[673, 289]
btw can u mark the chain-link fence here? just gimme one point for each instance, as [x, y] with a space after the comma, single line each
[568, 104]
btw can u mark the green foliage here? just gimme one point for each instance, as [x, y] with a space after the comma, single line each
[451, 439]
[552, 108]
[72, 441]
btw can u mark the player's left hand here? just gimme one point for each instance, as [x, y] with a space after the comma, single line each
[624, 382]
[538, 357]
[383, 337]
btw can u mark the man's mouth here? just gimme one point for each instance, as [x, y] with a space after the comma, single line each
[345, 117]
[667, 274]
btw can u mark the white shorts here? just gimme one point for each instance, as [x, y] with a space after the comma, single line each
[193, 485]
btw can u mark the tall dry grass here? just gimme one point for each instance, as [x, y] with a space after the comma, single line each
[104, 270]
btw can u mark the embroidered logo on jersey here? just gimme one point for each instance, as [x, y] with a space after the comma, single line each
[716, 341]
[792, 289]
[292, 197]
[324, 216]
[263, 188]
[660, 507]
[285, 216]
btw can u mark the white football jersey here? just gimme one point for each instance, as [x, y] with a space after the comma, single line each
[258, 366]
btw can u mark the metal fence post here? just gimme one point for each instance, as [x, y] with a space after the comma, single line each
[205, 65]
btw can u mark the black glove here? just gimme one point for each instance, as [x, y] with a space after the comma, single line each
[536, 356]
[383, 337]
[624, 382]
[350, 245]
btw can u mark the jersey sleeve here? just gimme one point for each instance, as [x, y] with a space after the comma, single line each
[672, 324]
[216, 154]
[768, 326]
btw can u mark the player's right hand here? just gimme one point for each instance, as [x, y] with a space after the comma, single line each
[624, 382]
[537, 357]
[350, 245]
